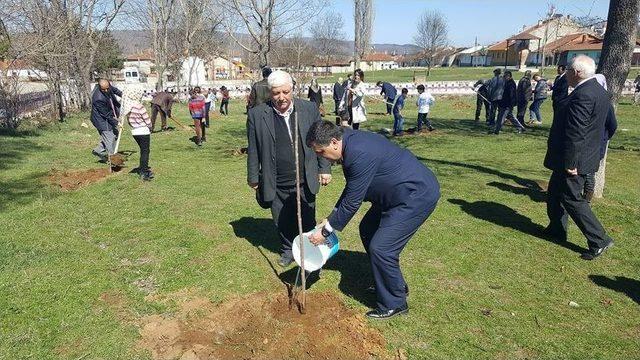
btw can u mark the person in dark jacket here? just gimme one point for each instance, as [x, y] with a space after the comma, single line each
[403, 193]
[495, 88]
[105, 110]
[539, 96]
[389, 92]
[573, 150]
[338, 92]
[506, 105]
[610, 127]
[482, 98]
[271, 167]
[560, 88]
[523, 95]
[260, 90]
[315, 95]
[161, 102]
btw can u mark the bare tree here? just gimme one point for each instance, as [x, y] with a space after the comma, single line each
[265, 22]
[363, 18]
[327, 36]
[293, 52]
[155, 15]
[615, 59]
[432, 35]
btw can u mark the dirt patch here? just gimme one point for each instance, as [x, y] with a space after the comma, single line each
[239, 151]
[261, 326]
[460, 105]
[73, 180]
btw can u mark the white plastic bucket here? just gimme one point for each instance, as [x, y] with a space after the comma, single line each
[315, 256]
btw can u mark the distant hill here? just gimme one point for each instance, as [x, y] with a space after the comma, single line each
[136, 41]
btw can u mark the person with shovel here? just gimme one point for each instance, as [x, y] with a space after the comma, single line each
[403, 193]
[271, 165]
[141, 126]
[105, 110]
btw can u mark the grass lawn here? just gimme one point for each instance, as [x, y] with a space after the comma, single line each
[484, 284]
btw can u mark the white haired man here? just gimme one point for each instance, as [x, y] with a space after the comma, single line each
[271, 169]
[573, 151]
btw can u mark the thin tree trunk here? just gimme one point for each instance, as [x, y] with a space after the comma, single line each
[615, 59]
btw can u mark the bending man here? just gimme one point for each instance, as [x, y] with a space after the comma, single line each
[402, 191]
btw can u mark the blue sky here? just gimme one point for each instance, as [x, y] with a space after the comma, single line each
[489, 20]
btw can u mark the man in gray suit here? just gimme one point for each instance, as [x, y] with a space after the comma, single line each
[271, 168]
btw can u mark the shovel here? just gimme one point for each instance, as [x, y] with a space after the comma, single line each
[117, 160]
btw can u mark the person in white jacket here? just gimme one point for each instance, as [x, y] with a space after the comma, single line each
[353, 100]
[425, 100]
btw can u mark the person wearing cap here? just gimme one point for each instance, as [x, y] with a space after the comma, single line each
[271, 165]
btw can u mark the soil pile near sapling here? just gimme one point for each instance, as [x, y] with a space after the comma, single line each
[72, 180]
[261, 326]
[460, 105]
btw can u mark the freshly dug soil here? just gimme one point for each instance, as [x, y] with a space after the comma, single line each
[261, 326]
[72, 180]
[117, 159]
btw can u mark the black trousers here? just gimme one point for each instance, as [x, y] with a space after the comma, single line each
[284, 213]
[384, 245]
[224, 107]
[144, 142]
[522, 110]
[155, 109]
[487, 105]
[564, 198]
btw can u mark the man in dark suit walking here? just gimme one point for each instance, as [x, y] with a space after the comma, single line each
[271, 168]
[402, 191]
[573, 151]
[560, 88]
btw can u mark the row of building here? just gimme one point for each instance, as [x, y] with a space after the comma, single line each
[557, 40]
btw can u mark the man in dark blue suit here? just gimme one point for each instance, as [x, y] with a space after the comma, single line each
[402, 191]
[389, 92]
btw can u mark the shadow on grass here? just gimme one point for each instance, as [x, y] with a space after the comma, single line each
[534, 194]
[530, 185]
[479, 128]
[20, 191]
[353, 266]
[505, 216]
[17, 146]
[621, 284]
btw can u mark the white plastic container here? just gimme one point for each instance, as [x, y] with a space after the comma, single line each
[315, 256]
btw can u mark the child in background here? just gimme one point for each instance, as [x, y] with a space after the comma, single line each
[398, 119]
[224, 103]
[197, 109]
[141, 126]
[425, 100]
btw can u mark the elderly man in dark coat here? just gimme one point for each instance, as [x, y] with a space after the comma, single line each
[105, 110]
[573, 151]
[271, 166]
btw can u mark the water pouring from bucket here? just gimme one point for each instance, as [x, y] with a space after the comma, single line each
[315, 256]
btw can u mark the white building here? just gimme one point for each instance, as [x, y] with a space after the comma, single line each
[473, 56]
[143, 61]
[193, 71]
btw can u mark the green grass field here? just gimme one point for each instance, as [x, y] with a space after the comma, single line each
[484, 284]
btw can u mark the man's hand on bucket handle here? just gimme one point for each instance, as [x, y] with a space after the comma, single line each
[316, 237]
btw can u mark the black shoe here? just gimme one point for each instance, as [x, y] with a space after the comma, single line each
[147, 175]
[520, 131]
[595, 252]
[204, 139]
[285, 260]
[372, 290]
[378, 314]
[199, 142]
[431, 128]
[103, 157]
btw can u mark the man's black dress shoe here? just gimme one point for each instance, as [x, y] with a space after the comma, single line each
[595, 252]
[285, 260]
[379, 314]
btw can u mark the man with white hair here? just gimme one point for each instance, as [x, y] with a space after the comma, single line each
[271, 167]
[573, 151]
